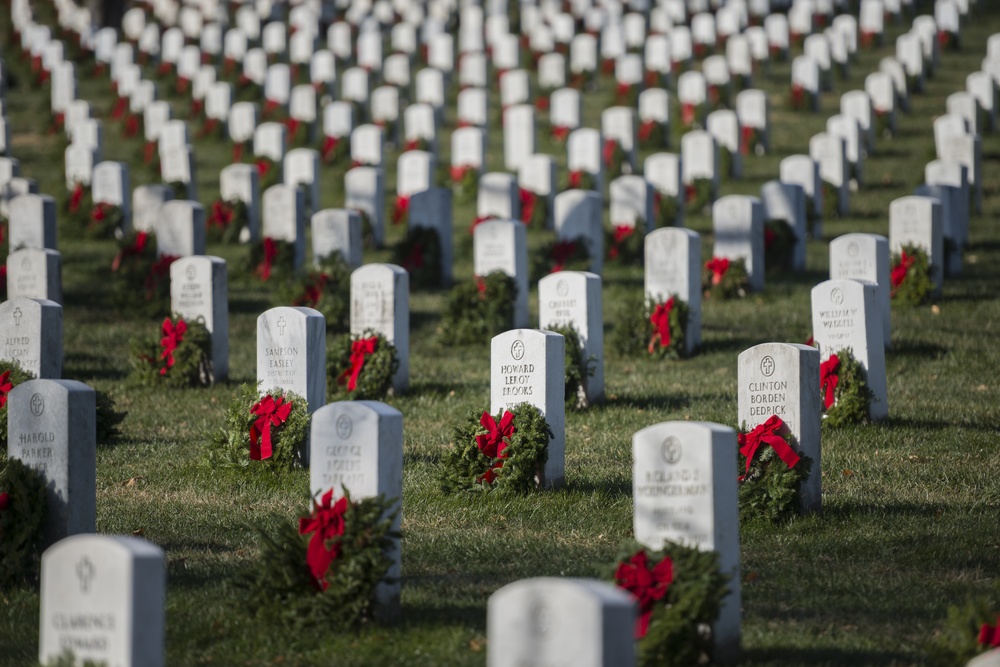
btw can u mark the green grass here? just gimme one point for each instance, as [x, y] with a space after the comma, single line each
[910, 505]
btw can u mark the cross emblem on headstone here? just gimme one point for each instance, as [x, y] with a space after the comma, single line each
[17, 317]
[281, 326]
[767, 366]
[85, 573]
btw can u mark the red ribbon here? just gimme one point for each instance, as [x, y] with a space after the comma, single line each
[660, 319]
[608, 66]
[293, 127]
[121, 106]
[359, 350]
[622, 91]
[415, 260]
[221, 215]
[401, 210]
[621, 232]
[263, 166]
[480, 285]
[5, 387]
[690, 192]
[58, 121]
[610, 145]
[828, 379]
[747, 139]
[479, 219]
[560, 132]
[131, 125]
[173, 335]
[313, 292]
[148, 152]
[542, 103]
[562, 252]
[414, 145]
[988, 635]
[687, 113]
[270, 253]
[137, 248]
[718, 266]
[76, 198]
[325, 523]
[182, 85]
[458, 173]
[528, 200]
[943, 38]
[329, 146]
[4, 501]
[770, 236]
[493, 443]
[238, 152]
[898, 274]
[648, 585]
[157, 272]
[269, 413]
[767, 434]
[164, 69]
[270, 106]
[575, 178]
[208, 127]
[646, 128]
[798, 95]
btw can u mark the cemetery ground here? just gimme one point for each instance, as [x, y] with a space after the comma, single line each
[910, 506]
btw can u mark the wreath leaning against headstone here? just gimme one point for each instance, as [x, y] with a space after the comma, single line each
[261, 431]
[360, 367]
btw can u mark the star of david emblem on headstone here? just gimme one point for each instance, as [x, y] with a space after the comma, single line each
[85, 573]
[17, 316]
[281, 326]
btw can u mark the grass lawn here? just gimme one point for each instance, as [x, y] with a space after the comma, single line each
[910, 505]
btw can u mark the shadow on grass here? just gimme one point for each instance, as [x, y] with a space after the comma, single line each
[248, 305]
[648, 402]
[711, 346]
[91, 366]
[427, 616]
[618, 488]
[824, 656]
[923, 349]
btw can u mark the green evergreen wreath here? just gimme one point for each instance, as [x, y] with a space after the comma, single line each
[77, 207]
[831, 200]
[667, 208]
[725, 162]
[11, 375]
[374, 381]
[539, 210]
[420, 254]
[226, 221]
[779, 244]
[560, 255]
[466, 188]
[179, 189]
[731, 284]
[103, 221]
[142, 280]
[580, 180]
[23, 509]
[326, 289]
[911, 276]
[192, 356]
[769, 491]
[520, 470]
[970, 629]
[613, 159]
[634, 333]
[852, 395]
[698, 194]
[578, 367]
[479, 309]
[267, 169]
[281, 588]
[678, 631]
[626, 244]
[228, 446]
[270, 259]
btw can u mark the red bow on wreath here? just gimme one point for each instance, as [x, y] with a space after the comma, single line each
[137, 248]
[329, 146]
[237, 152]
[623, 90]
[263, 166]
[401, 209]
[4, 501]
[660, 319]
[270, 253]
[293, 126]
[313, 292]
[988, 635]
[149, 152]
[325, 523]
[528, 199]
[646, 128]
[5, 387]
[798, 95]
[610, 146]
[173, 335]
[560, 132]
[828, 379]
[575, 178]
[221, 215]
[621, 233]
[415, 260]
[766, 434]
[562, 252]
[647, 584]
[76, 197]
[687, 113]
[360, 349]
[121, 106]
[718, 266]
[746, 136]
[458, 172]
[269, 413]
[270, 106]
[493, 444]
[131, 125]
[899, 272]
